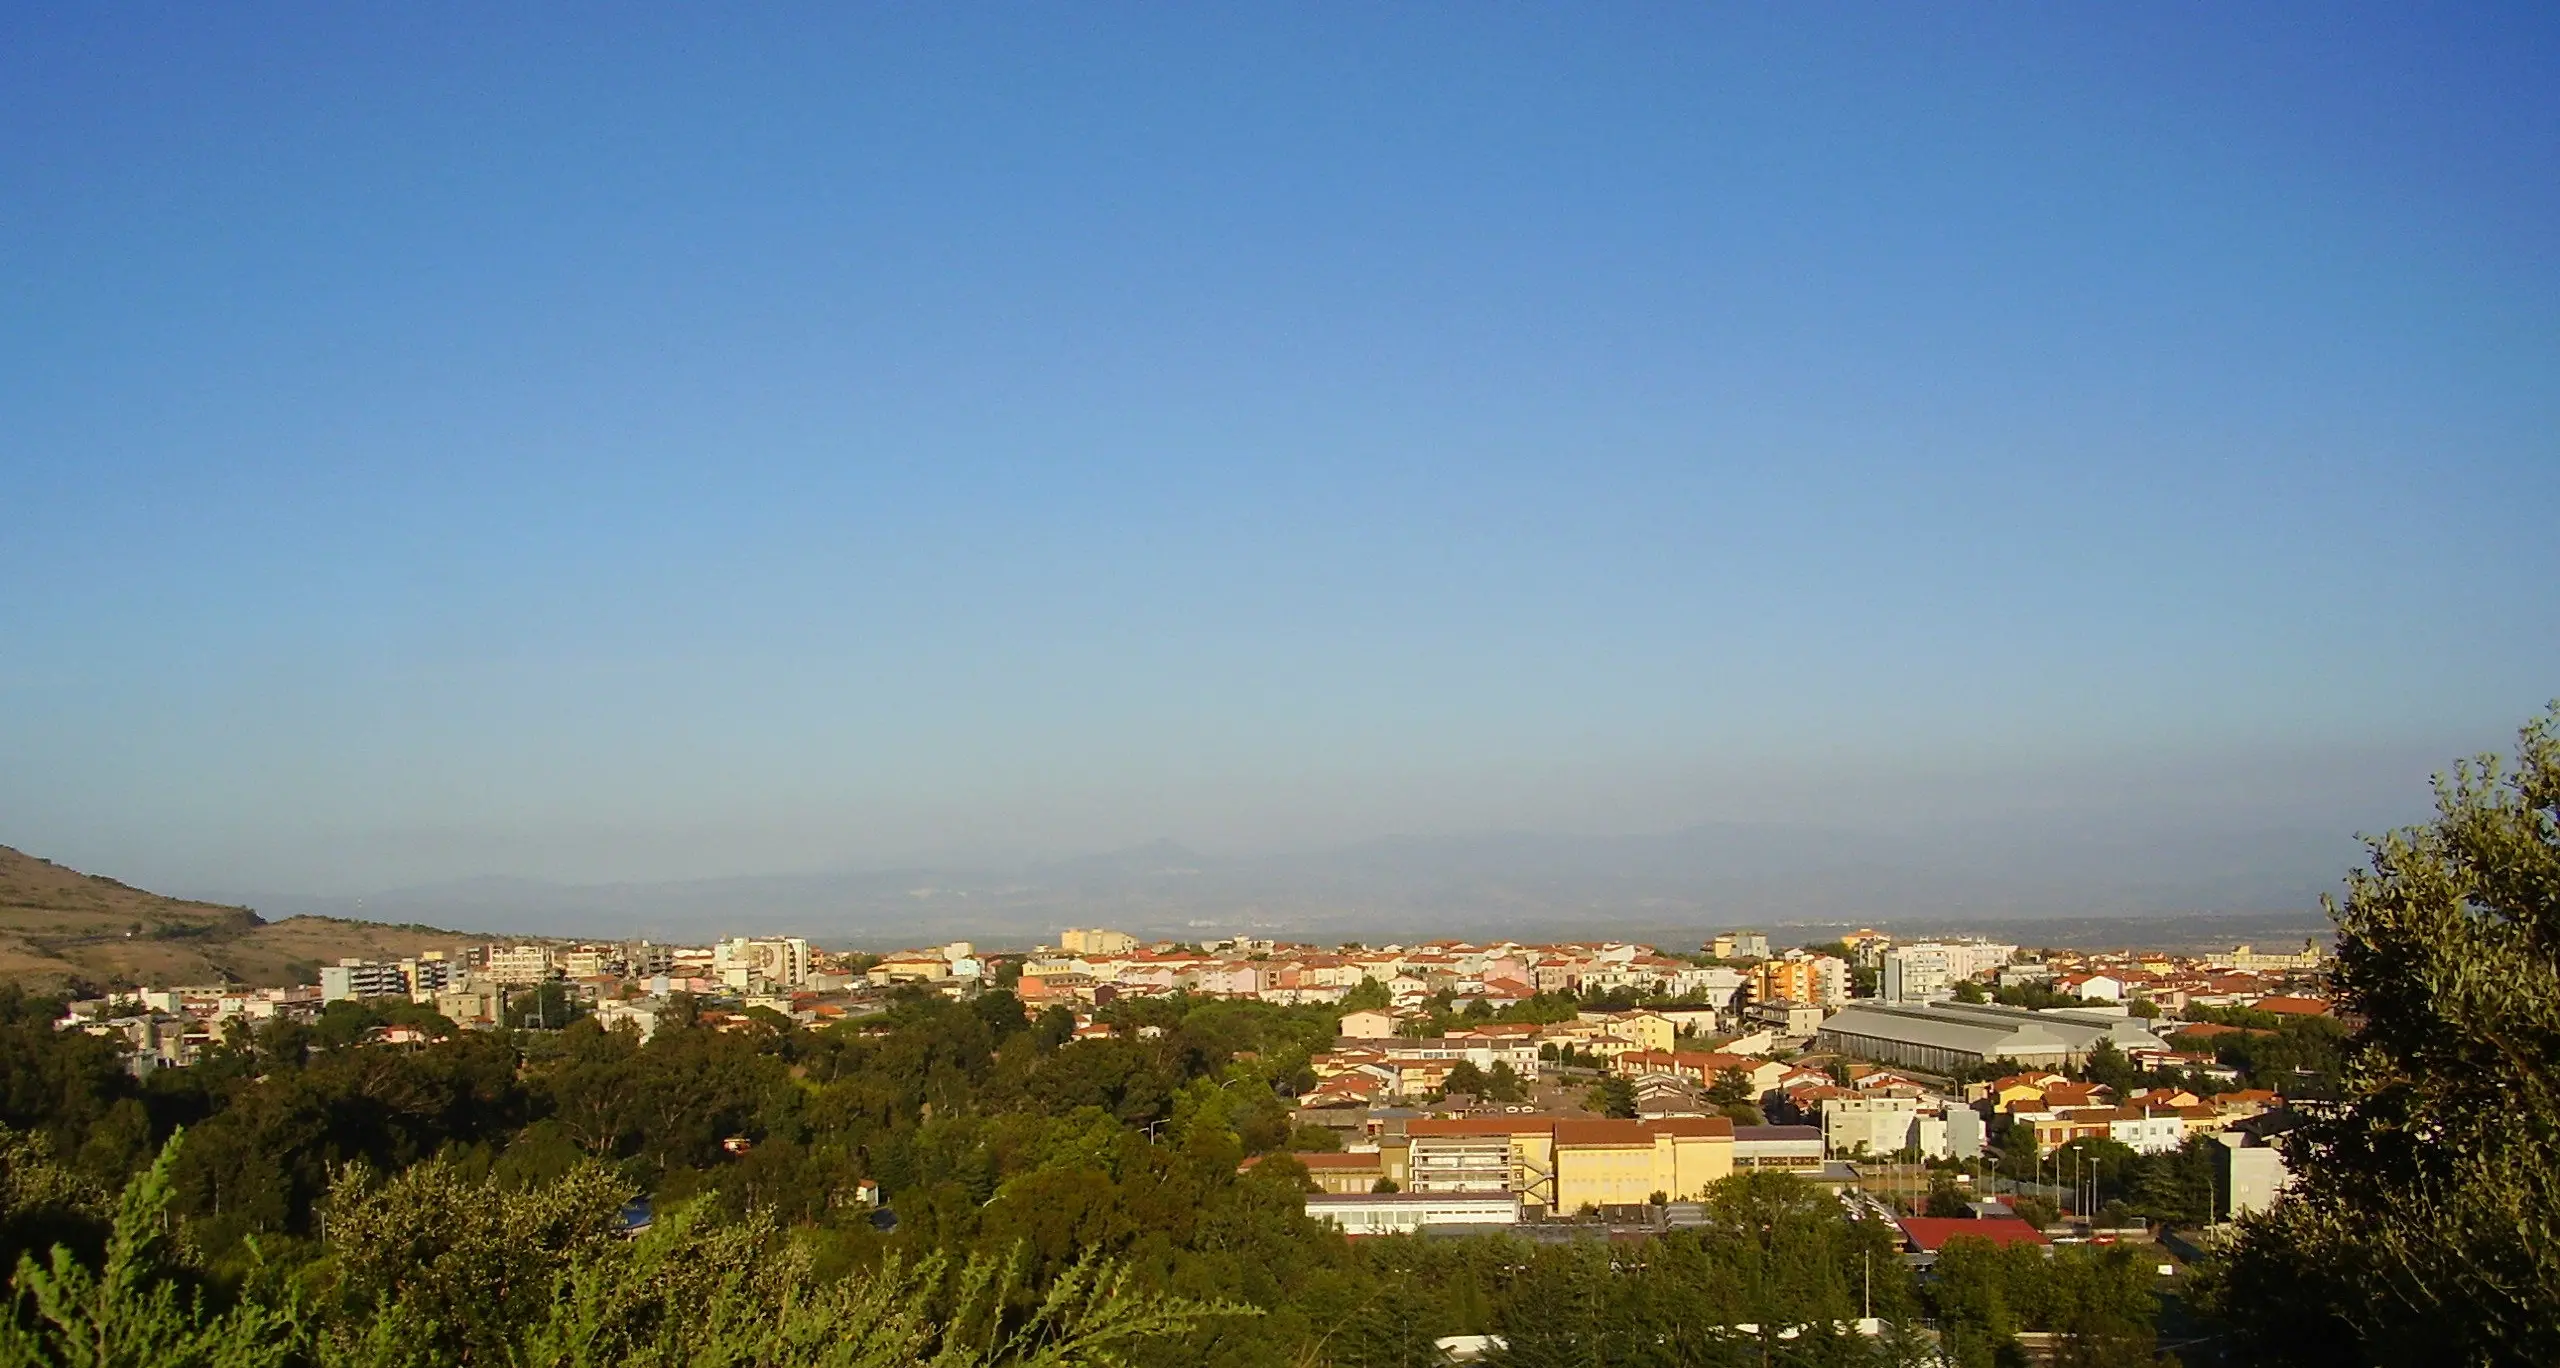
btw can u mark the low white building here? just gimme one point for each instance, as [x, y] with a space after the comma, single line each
[1369, 1024]
[1788, 1018]
[1869, 1125]
[640, 1013]
[2101, 988]
[1401, 1213]
[2152, 1131]
[2252, 1175]
[1954, 1133]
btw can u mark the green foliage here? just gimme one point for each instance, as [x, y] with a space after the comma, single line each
[2301, 1058]
[2098, 1297]
[2039, 1212]
[428, 1269]
[144, 1306]
[1465, 1078]
[2425, 1224]
[1773, 1254]
[61, 1084]
[460, 1266]
[697, 1289]
[1369, 996]
[1732, 1087]
[43, 1203]
[1946, 1199]
[1612, 1096]
[2108, 1065]
[549, 1007]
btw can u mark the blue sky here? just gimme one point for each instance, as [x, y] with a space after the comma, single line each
[596, 444]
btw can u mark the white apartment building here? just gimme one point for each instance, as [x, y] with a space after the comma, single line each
[2147, 1131]
[1871, 1125]
[354, 978]
[1521, 1053]
[1954, 1133]
[1889, 1125]
[590, 961]
[1719, 984]
[1928, 970]
[742, 961]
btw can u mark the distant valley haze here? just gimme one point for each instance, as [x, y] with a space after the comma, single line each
[2113, 846]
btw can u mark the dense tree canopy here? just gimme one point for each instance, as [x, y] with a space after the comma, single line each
[2425, 1228]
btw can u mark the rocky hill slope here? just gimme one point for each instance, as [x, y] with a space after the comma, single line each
[60, 928]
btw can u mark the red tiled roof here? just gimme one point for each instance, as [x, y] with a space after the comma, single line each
[1931, 1233]
[2208, 1030]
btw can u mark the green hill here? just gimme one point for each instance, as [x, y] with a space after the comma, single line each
[60, 928]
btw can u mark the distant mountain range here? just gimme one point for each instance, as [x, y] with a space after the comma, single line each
[1669, 886]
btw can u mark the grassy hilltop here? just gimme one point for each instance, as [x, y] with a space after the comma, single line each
[62, 928]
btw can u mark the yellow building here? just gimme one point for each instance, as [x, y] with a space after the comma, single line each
[1561, 1163]
[1624, 1163]
[1096, 941]
[1354, 1171]
[1646, 1030]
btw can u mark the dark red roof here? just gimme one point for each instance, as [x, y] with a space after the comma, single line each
[1930, 1234]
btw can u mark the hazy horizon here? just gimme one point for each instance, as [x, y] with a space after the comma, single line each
[2100, 450]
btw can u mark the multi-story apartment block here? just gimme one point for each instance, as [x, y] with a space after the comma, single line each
[355, 978]
[1927, 970]
[642, 959]
[1739, 945]
[591, 961]
[1814, 980]
[742, 961]
[1096, 941]
[519, 964]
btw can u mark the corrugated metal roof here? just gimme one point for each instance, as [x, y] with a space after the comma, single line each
[1944, 1030]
